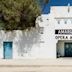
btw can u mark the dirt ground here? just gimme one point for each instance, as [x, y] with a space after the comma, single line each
[36, 65]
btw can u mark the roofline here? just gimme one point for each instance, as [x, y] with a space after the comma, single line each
[60, 6]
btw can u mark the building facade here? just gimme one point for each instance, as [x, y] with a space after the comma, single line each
[57, 32]
[52, 38]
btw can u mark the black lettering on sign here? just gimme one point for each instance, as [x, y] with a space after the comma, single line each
[63, 31]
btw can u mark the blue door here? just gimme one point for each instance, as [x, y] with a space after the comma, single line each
[7, 50]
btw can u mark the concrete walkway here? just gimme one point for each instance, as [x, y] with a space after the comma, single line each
[37, 65]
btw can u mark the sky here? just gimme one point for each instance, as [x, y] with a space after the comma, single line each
[46, 9]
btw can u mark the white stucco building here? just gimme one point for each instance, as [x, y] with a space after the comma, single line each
[52, 39]
[58, 32]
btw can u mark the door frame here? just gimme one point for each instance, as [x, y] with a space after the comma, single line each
[4, 48]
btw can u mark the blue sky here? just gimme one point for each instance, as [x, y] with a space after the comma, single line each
[55, 3]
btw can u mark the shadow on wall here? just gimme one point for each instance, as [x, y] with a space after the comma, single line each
[27, 41]
[24, 41]
[60, 48]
